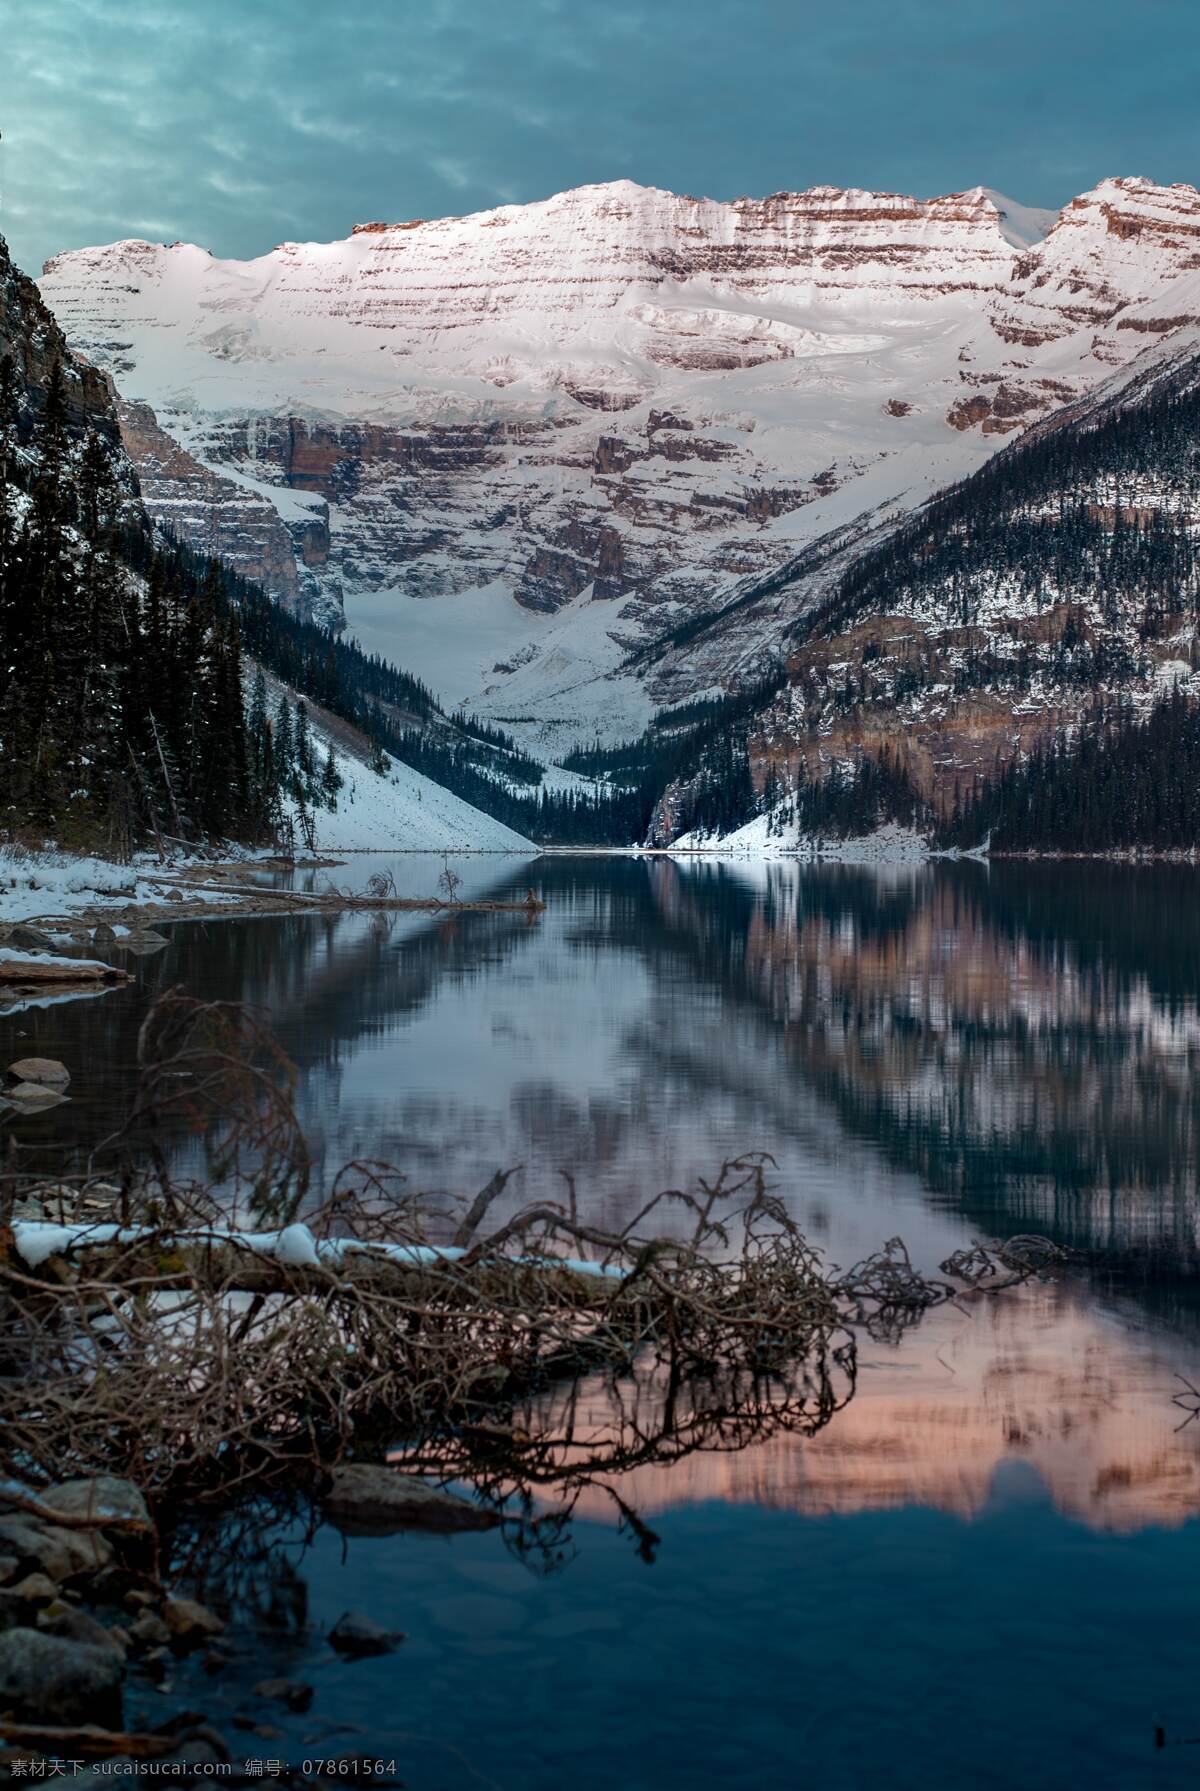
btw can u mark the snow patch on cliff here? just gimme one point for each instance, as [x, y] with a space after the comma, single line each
[548, 680]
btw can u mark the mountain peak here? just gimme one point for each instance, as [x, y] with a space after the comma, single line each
[1021, 225]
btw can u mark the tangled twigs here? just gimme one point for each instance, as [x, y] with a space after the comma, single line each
[584, 1437]
[990, 1269]
[208, 1359]
[18, 1499]
[179, 1345]
[1188, 1401]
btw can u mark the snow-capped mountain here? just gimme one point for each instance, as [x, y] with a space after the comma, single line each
[60, 434]
[524, 445]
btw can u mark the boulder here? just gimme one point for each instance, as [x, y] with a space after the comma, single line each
[100, 1495]
[292, 1692]
[35, 1588]
[358, 1637]
[45, 1070]
[102, 934]
[47, 1679]
[189, 1622]
[149, 1631]
[34, 1094]
[71, 1625]
[59, 1554]
[365, 1498]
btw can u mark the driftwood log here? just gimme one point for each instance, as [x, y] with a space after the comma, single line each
[42, 973]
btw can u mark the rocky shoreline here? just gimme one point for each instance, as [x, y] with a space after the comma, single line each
[211, 892]
[87, 1626]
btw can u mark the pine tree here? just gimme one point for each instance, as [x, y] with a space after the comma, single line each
[285, 751]
[9, 414]
[306, 764]
[331, 780]
[256, 721]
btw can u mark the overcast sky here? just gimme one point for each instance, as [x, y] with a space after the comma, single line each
[240, 123]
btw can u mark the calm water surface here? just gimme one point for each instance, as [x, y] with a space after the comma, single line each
[986, 1570]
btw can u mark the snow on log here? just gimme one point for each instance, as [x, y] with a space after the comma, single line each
[293, 1247]
[27, 967]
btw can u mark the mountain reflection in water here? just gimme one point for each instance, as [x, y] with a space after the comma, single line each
[942, 1052]
[1031, 1377]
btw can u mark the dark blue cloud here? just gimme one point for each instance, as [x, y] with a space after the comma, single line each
[237, 123]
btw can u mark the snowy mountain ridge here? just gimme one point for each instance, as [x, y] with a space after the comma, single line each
[585, 422]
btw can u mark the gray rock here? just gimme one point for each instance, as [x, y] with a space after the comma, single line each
[148, 936]
[59, 1553]
[35, 1588]
[46, 1679]
[23, 1541]
[31, 939]
[34, 1094]
[102, 934]
[47, 1070]
[70, 1625]
[358, 1637]
[102, 1495]
[189, 1622]
[149, 1631]
[369, 1499]
[292, 1692]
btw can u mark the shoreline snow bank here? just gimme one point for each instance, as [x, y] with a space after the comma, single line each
[889, 844]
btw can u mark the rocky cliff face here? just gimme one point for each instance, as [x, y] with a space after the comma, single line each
[611, 411]
[32, 339]
[281, 541]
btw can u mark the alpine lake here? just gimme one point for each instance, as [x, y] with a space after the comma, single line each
[984, 1570]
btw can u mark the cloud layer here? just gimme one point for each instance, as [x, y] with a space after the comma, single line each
[238, 123]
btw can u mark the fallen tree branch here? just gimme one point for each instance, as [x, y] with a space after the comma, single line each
[21, 1500]
[91, 1741]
